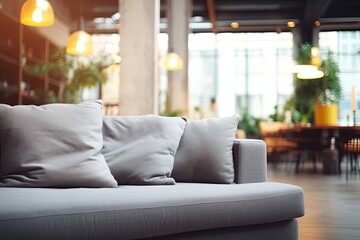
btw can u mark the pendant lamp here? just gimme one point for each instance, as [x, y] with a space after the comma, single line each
[310, 71]
[79, 42]
[37, 13]
[310, 75]
[173, 62]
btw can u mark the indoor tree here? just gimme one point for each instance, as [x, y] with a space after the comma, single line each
[325, 90]
[74, 73]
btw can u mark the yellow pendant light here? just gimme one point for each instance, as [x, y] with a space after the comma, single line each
[315, 57]
[173, 62]
[310, 71]
[79, 42]
[37, 13]
[310, 75]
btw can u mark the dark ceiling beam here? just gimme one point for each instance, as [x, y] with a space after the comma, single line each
[256, 5]
[260, 15]
[279, 28]
[342, 12]
[257, 22]
[340, 20]
[225, 29]
[349, 26]
[314, 10]
[212, 15]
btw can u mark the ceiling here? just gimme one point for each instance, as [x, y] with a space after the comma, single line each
[216, 15]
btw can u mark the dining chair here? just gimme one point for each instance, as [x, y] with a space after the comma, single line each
[277, 145]
[351, 152]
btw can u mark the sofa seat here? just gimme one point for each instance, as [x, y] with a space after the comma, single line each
[130, 212]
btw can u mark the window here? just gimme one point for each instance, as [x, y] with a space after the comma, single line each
[241, 70]
[345, 44]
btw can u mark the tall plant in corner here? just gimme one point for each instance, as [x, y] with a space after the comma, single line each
[324, 91]
[326, 108]
[331, 89]
[306, 92]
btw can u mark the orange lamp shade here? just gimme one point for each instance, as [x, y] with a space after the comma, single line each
[79, 43]
[37, 13]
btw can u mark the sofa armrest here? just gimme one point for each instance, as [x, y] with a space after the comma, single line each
[249, 160]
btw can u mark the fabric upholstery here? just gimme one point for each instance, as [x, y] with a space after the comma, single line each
[284, 230]
[249, 171]
[54, 145]
[132, 212]
[141, 149]
[205, 151]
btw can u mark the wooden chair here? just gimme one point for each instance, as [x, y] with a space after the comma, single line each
[277, 145]
[294, 142]
[308, 146]
[351, 151]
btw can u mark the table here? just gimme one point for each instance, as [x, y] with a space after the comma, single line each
[316, 139]
[320, 136]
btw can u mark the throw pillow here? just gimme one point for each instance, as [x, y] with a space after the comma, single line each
[141, 149]
[54, 145]
[205, 151]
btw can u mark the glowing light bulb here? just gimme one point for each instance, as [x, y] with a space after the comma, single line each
[291, 24]
[172, 62]
[37, 15]
[234, 24]
[315, 51]
[80, 46]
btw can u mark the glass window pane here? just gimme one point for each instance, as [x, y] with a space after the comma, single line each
[241, 70]
[346, 46]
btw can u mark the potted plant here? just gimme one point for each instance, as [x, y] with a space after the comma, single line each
[317, 99]
[326, 106]
[74, 73]
[248, 124]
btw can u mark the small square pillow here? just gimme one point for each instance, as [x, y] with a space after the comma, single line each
[205, 151]
[140, 149]
[54, 145]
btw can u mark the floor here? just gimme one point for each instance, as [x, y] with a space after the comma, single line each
[332, 204]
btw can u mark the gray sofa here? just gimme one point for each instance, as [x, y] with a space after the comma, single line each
[157, 208]
[250, 209]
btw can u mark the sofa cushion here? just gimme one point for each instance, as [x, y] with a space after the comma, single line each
[54, 145]
[205, 151]
[141, 149]
[133, 212]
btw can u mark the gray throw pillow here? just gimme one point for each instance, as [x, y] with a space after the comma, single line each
[141, 149]
[54, 145]
[205, 151]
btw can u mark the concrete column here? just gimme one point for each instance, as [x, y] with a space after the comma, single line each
[178, 31]
[139, 27]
